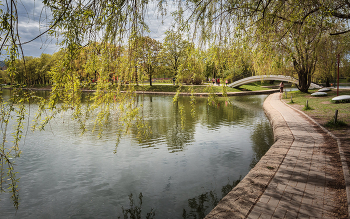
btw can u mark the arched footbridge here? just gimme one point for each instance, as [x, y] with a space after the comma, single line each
[269, 78]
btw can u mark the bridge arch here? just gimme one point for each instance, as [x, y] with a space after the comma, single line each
[269, 78]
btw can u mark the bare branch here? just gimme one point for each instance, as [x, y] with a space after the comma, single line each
[338, 33]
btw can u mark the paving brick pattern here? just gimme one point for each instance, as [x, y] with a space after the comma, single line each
[298, 190]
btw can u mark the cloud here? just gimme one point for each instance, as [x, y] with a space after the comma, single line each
[34, 19]
[158, 24]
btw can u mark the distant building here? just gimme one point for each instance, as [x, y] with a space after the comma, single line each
[3, 65]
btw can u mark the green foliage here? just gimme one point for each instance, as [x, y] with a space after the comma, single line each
[148, 55]
[4, 77]
[281, 37]
[33, 71]
[15, 110]
[174, 50]
[103, 46]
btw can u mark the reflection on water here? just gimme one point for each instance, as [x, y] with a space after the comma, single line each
[201, 205]
[180, 166]
[134, 211]
[261, 141]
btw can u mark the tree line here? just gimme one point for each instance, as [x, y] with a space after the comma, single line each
[179, 58]
[175, 57]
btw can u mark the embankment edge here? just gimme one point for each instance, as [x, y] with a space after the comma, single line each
[239, 202]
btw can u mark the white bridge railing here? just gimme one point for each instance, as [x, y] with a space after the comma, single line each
[269, 78]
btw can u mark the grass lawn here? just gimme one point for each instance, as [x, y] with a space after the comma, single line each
[255, 86]
[323, 110]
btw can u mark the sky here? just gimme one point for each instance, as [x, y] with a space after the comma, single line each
[33, 20]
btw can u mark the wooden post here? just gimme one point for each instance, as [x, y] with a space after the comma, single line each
[336, 117]
[307, 103]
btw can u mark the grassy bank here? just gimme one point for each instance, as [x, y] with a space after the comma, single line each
[257, 86]
[322, 108]
[201, 88]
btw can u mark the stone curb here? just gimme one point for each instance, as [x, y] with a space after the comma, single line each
[345, 166]
[239, 202]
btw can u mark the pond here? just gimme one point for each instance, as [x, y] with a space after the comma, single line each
[181, 170]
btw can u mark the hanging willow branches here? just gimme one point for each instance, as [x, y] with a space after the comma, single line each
[105, 33]
[102, 39]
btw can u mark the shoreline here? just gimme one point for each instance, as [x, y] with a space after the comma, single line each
[242, 93]
[239, 202]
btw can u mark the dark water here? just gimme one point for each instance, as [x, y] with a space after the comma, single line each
[177, 172]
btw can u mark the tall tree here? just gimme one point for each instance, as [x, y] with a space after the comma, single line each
[149, 50]
[290, 30]
[174, 50]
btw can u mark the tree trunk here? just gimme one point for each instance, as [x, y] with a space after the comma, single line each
[175, 66]
[150, 76]
[327, 82]
[136, 77]
[304, 81]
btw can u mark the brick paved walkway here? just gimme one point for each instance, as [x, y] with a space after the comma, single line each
[298, 190]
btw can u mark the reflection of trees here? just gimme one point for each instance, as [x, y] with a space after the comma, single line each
[248, 102]
[163, 118]
[227, 188]
[233, 110]
[214, 116]
[262, 139]
[134, 212]
[178, 135]
[201, 205]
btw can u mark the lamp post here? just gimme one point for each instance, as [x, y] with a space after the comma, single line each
[338, 76]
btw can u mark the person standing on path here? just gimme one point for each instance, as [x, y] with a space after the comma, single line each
[281, 87]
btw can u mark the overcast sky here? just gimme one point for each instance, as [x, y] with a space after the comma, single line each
[33, 20]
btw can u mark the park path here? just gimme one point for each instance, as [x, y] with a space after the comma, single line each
[299, 187]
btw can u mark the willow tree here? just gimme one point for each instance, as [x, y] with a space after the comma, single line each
[291, 27]
[295, 33]
[109, 30]
[288, 30]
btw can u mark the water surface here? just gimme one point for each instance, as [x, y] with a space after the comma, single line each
[178, 171]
